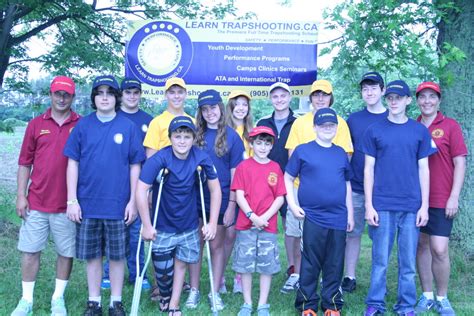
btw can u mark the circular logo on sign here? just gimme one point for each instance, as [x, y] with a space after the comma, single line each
[272, 178]
[159, 50]
[118, 138]
[437, 133]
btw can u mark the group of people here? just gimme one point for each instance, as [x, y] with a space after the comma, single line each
[84, 181]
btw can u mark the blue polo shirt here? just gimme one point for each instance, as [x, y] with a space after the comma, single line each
[141, 119]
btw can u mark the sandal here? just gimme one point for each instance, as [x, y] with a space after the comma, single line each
[171, 311]
[164, 303]
[155, 294]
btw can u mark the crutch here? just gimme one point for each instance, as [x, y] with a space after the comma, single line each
[208, 249]
[137, 291]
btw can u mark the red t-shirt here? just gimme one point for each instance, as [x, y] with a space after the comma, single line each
[42, 149]
[449, 140]
[262, 184]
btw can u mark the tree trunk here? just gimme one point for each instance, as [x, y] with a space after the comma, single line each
[458, 102]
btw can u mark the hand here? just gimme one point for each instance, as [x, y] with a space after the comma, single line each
[148, 233]
[350, 223]
[209, 231]
[229, 215]
[130, 213]
[74, 213]
[298, 212]
[258, 221]
[22, 206]
[422, 217]
[371, 216]
[452, 207]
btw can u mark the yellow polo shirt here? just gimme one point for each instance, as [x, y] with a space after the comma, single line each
[248, 150]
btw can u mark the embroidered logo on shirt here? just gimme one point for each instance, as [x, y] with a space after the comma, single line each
[45, 131]
[118, 138]
[437, 133]
[272, 179]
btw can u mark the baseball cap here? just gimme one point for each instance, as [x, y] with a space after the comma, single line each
[107, 80]
[238, 93]
[130, 83]
[372, 76]
[325, 115]
[175, 81]
[63, 83]
[321, 85]
[181, 121]
[428, 85]
[209, 97]
[279, 84]
[398, 87]
[261, 130]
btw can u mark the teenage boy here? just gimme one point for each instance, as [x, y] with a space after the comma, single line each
[327, 213]
[42, 204]
[396, 187]
[280, 121]
[131, 95]
[447, 169]
[321, 97]
[176, 235]
[260, 190]
[105, 153]
[371, 89]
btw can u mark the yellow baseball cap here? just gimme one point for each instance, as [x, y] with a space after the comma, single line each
[238, 93]
[321, 85]
[175, 81]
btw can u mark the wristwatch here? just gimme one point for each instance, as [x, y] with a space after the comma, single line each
[248, 214]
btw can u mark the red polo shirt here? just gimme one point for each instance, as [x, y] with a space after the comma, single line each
[42, 149]
[448, 137]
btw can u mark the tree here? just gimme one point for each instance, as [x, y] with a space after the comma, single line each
[415, 40]
[80, 36]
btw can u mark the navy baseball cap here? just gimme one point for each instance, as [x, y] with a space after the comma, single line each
[398, 87]
[372, 76]
[130, 83]
[107, 80]
[209, 97]
[325, 115]
[181, 121]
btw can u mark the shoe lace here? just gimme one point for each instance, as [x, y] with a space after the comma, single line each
[445, 303]
[193, 295]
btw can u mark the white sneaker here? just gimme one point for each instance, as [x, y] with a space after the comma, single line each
[58, 308]
[290, 283]
[222, 287]
[193, 299]
[24, 308]
[219, 302]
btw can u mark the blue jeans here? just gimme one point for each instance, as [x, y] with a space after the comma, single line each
[402, 225]
[134, 232]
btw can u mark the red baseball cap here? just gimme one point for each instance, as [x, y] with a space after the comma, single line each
[428, 85]
[261, 130]
[63, 83]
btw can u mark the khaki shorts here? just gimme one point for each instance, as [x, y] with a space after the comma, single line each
[294, 226]
[358, 201]
[34, 232]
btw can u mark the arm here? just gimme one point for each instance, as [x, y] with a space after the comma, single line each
[131, 208]
[23, 176]
[150, 152]
[209, 230]
[350, 207]
[424, 175]
[458, 181]
[141, 198]
[290, 197]
[371, 215]
[277, 203]
[258, 221]
[73, 210]
[229, 214]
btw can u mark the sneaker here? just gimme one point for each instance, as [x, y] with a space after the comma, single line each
[237, 284]
[370, 311]
[194, 298]
[222, 287]
[330, 312]
[105, 284]
[290, 271]
[24, 308]
[424, 304]
[93, 309]
[309, 312]
[263, 310]
[290, 284]
[444, 307]
[145, 285]
[116, 309]
[245, 310]
[348, 285]
[219, 302]
[58, 308]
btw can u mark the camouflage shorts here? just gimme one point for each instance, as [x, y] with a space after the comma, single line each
[256, 251]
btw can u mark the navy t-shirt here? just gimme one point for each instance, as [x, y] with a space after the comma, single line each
[177, 212]
[141, 119]
[358, 123]
[323, 172]
[105, 151]
[397, 149]
[223, 164]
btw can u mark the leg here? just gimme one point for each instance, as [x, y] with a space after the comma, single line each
[424, 262]
[265, 284]
[218, 256]
[441, 266]
[195, 268]
[297, 253]
[134, 231]
[30, 263]
[63, 267]
[94, 276]
[353, 239]
[247, 287]
[163, 264]
[178, 281]
[229, 243]
[117, 272]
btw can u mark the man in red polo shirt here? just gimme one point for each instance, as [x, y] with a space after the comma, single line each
[447, 169]
[42, 203]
